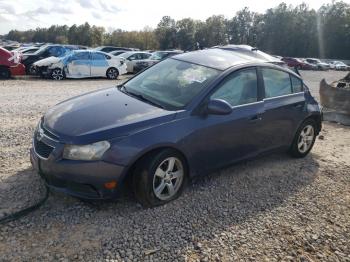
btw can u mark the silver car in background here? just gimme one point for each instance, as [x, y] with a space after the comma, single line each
[132, 58]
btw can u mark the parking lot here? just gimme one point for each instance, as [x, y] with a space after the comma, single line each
[273, 208]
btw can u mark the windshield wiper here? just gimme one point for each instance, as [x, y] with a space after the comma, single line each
[123, 89]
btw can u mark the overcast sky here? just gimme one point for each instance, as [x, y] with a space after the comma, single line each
[124, 14]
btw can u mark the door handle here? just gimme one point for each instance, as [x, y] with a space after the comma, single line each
[255, 118]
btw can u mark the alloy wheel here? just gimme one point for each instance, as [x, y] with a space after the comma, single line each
[112, 73]
[168, 178]
[57, 74]
[306, 138]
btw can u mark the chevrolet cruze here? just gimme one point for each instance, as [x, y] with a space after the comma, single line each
[183, 117]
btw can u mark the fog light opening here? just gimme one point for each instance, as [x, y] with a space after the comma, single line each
[110, 185]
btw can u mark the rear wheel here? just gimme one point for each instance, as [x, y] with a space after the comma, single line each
[57, 74]
[112, 73]
[159, 178]
[5, 73]
[304, 139]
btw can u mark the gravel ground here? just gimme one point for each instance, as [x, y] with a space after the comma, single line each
[270, 209]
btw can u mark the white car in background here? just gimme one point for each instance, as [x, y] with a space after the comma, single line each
[132, 58]
[318, 63]
[338, 65]
[81, 64]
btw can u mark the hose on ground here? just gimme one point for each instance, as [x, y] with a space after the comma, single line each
[25, 211]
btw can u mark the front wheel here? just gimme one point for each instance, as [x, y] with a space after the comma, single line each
[159, 178]
[57, 74]
[304, 139]
[112, 73]
[5, 73]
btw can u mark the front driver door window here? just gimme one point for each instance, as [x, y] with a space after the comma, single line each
[239, 89]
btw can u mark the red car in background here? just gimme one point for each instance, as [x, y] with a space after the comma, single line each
[298, 63]
[10, 64]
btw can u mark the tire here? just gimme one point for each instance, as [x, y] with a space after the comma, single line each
[32, 70]
[112, 73]
[153, 178]
[4, 73]
[57, 74]
[304, 139]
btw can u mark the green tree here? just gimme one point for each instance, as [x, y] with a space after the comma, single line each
[166, 33]
[186, 30]
[216, 30]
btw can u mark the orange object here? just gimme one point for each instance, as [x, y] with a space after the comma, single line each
[110, 185]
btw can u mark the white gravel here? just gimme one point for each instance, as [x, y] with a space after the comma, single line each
[270, 209]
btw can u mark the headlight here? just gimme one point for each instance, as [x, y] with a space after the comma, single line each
[86, 152]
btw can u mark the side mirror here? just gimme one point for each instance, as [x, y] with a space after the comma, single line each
[218, 107]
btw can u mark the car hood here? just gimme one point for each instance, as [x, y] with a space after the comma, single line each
[105, 114]
[47, 61]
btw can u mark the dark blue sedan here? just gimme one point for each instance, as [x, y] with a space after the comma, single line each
[183, 117]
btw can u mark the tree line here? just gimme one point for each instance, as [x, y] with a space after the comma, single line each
[283, 30]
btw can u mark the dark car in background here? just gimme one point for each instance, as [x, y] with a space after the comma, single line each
[10, 64]
[45, 52]
[109, 49]
[183, 117]
[118, 52]
[155, 58]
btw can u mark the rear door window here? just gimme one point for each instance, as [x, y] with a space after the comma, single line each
[98, 56]
[81, 56]
[277, 83]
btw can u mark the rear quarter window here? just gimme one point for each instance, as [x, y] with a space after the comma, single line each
[297, 84]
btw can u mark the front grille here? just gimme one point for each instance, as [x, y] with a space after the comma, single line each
[48, 133]
[42, 149]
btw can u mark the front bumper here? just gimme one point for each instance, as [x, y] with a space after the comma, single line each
[83, 179]
[42, 71]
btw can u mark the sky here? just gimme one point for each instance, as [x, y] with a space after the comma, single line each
[123, 14]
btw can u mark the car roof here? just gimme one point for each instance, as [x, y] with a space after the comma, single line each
[218, 58]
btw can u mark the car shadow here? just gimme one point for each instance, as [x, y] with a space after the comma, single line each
[209, 206]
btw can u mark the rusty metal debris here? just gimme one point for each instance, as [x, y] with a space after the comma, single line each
[335, 99]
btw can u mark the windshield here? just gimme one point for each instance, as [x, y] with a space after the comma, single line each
[171, 83]
[41, 49]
